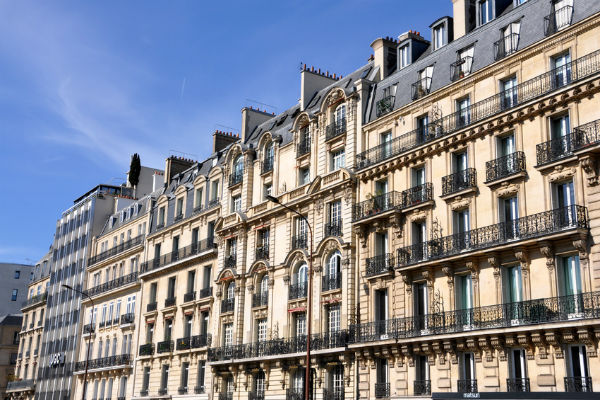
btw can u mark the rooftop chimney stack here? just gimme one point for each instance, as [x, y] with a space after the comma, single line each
[384, 55]
[175, 165]
[311, 81]
[464, 17]
[251, 118]
[223, 139]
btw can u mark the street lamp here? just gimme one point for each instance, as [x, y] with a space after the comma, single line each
[87, 357]
[308, 295]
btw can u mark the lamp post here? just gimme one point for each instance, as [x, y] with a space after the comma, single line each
[87, 357]
[308, 295]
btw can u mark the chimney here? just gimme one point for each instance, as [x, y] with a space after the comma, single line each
[175, 165]
[251, 118]
[385, 52]
[464, 17]
[223, 139]
[311, 82]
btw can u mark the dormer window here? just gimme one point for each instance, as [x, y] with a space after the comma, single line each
[422, 86]
[386, 104]
[403, 53]
[509, 40]
[462, 67]
[486, 11]
[438, 37]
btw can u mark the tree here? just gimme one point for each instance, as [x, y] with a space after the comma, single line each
[134, 171]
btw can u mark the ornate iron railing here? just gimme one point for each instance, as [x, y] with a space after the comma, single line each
[385, 105]
[236, 178]
[294, 394]
[116, 249]
[256, 396]
[163, 391]
[580, 138]
[334, 394]
[25, 384]
[114, 284]
[206, 292]
[88, 328]
[461, 68]
[105, 362]
[335, 129]
[505, 46]
[578, 384]
[166, 346]
[199, 389]
[170, 301]
[227, 305]
[184, 343]
[262, 252]
[421, 88]
[298, 290]
[201, 340]
[331, 282]
[267, 165]
[147, 349]
[189, 296]
[505, 166]
[128, 318]
[212, 203]
[461, 180]
[528, 227]
[531, 312]
[333, 228]
[382, 390]
[174, 256]
[467, 385]
[151, 306]
[422, 387]
[380, 264]
[541, 85]
[376, 205]
[35, 299]
[226, 396]
[557, 20]
[260, 299]
[517, 384]
[416, 195]
[303, 146]
[231, 261]
[299, 241]
[182, 390]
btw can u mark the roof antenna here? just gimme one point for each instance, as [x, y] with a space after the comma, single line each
[274, 108]
[227, 127]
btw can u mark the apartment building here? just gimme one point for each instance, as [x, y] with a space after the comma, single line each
[9, 334]
[14, 286]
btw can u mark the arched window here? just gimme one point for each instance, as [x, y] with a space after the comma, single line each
[269, 152]
[231, 290]
[301, 275]
[264, 284]
[339, 116]
[238, 166]
[334, 264]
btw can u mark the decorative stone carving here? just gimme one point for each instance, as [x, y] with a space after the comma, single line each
[507, 190]
[538, 340]
[588, 163]
[348, 194]
[397, 224]
[498, 344]
[587, 338]
[553, 339]
[581, 246]
[418, 216]
[460, 204]
[561, 173]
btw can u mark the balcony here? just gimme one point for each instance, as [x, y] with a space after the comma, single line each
[421, 88]
[335, 129]
[334, 394]
[230, 261]
[534, 88]
[227, 305]
[105, 362]
[467, 385]
[517, 385]
[294, 394]
[114, 284]
[146, 349]
[303, 147]
[385, 105]
[298, 291]
[382, 390]
[506, 46]
[151, 306]
[578, 384]
[212, 203]
[143, 393]
[275, 347]
[226, 396]
[459, 181]
[201, 340]
[530, 227]
[331, 282]
[256, 396]
[558, 20]
[376, 205]
[262, 253]
[199, 389]
[163, 391]
[260, 299]
[266, 166]
[170, 301]
[22, 385]
[182, 390]
[178, 255]
[88, 328]
[184, 343]
[531, 312]
[236, 178]
[416, 195]
[580, 138]
[34, 300]
[299, 241]
[381, 264]
[333, 228]
[206, 292]
[127, 319]
[189, 296]
[116, 249]
[505, 166]
[422, 387]
[165, 346]
[461, 68]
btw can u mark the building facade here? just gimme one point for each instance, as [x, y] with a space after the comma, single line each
[14, 287]
[9, 343]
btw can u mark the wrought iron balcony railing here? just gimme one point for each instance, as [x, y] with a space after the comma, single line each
[212, 203]
[105, 362]
[88, 328]
[421, 88]
[558, 20]
[143, 393]
[303, 147]
[189, 296]
[294, 394]
[260, 299]
[382, 390]
[461, 180]
[467, 385]
[184, 343]
[201, 340]
[227, 305]
[206, 292]
[319, 341]
[376, 205]
[114, 284]
[128, 318]
[531, 312]
[267, 165]
[226, 396]
[333, 228]
[578, 384]
[236, 178]
[40, 298]
[146, 349]
[334, 394]
[422, 387]
[299, 241]
[416, 195]
[174, 256]
[178, 217]
[517, 384]
[528, 227]
[231, 261]
[25, 384]
[182, 390]
[116, 249]
[504, 166]
[335, 129]
[538, 86]
[581, 137]
[331, 282]
[385, 105]
[163, 391]
[298, 290]
[199, 389]
[380, 264]
[151, 306]
[166, 346]
[256, 396]
[461, 68]
[505, 46]
[170, 301]
[262, 252]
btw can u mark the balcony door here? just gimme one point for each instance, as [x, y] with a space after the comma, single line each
[518, 371]
[339, 116]
[564, 200]
[423, 127]
[301, 276]
[336, 381]
[386, 144]
[464, 300]
[422, 371]
[460, 162]
[419, 236]
[461, 229]
[509, 215]
[229, 388]
[570, 285]
[382, 389]
[467, 368]
[228, 334]
[513, 292]
[506, 147]
[381, 311]
[578, 364]
[562, 69]
[381, 243]
[381, 188]
[421, 305]
[259, 384]
[300, 324]
[561, 144]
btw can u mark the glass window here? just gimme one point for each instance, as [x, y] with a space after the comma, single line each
[438, 37]
[404, 56]
[304, 176]
[15, 292]
[261, 330]
[236, 203]
[486, 11]
[17, 274]
[228, 334]
[338, 159]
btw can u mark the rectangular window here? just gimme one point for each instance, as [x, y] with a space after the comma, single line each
[486, 11]
[171, 287]
[518, 368]
[228, 334]
[438, 37]
[201, 373]
[179, 208]
[15, 292]
[164, 378]
[267, 189]
[214, 190]
[404, 56]
[261, 329]
[463, 112]
[508, 89]
[198, 199]
[236, 203]
[337, 159]
[153, 288]
[168, 329]
[146, 379]
[561, 65]
[185, 370]
[423, 128]
[188, 326]
[467, 370]
[304, 176]
[191, 281]
[385, 140]
[335, 212]
[161, 216]
[300, 324]
[333, 318]
[17, 274]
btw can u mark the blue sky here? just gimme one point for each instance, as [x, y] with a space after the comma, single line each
[85, 84]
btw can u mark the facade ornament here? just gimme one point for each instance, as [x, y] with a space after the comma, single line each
[460, 204]
[418, 216]
[397, 224]
[348, 194]
[538, 340]
[561, 173]
[319, 205]
[497, 343]
[553, 338]
[588, 164]
[581, 246]
[507, 190]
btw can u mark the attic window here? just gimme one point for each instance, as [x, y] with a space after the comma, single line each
[464, 63]
[486, 11]
[439, 36]
[404, 55]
